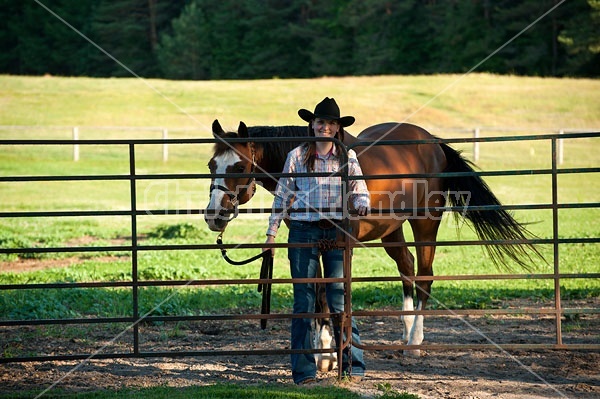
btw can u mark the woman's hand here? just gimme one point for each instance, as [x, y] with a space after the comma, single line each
[270, 240]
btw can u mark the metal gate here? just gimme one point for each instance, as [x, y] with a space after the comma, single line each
[133, 320]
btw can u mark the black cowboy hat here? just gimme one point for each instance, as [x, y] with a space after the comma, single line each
[326, 109]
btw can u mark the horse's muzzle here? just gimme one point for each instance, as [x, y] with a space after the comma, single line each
[218, 220]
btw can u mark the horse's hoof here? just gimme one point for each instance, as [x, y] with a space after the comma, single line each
[326, 363]
[325, 366]
[412, 353]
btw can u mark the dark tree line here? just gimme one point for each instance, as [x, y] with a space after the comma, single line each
[247, 39]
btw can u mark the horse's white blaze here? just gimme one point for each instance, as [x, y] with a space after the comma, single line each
[407, 305]
[216, 196]
[222, 162]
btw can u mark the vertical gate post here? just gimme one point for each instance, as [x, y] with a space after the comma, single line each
[346, 317]
[134, 249]
[555, 239]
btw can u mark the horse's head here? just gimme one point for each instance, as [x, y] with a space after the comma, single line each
[226, 193]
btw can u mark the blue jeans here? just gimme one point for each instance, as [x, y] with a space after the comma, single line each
[303, 264]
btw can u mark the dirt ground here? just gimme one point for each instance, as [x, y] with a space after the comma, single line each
[454, 374]
[489, 373]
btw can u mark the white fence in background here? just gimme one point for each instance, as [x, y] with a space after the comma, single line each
[79, 132]
[91, 132]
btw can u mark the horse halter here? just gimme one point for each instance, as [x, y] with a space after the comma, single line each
[234, 199]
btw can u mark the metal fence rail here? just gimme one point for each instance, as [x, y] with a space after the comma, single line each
[134, 248]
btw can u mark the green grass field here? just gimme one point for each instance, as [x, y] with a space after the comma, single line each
[50, 107]
[221, 392]
[464, 101]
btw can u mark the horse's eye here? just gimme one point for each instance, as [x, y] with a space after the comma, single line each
[240, 169]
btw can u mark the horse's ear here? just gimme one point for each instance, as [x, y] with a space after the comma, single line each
[243, 130]
[216, 128]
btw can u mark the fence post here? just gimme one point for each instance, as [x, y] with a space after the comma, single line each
[76, 146]
[476, 145]
[556, 245]
[560, 148]
[165, 135]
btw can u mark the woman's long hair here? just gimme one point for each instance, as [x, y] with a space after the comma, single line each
[311, 147]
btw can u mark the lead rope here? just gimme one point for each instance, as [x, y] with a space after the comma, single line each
[327, 244]
[235, 262]
[266, 272]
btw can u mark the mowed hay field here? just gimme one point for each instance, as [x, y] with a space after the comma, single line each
[449, 105]
[443, 101]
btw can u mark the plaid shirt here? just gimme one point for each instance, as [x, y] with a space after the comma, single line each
[316, 198]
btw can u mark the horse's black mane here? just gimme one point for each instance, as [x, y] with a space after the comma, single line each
[278, 149]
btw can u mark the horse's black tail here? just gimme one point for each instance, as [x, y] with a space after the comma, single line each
[494, 224]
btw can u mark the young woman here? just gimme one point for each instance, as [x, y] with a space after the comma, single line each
[312, 203]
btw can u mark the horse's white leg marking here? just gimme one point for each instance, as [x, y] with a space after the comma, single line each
[416, 334]
[407, 305]
[216, 196]
[323, 338]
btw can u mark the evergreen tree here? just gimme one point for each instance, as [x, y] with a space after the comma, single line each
[128, 30]
[11, 14]
[532, 52]
[120, 28]
[229, 39]
[374, 24]
[581, 40]
[232, 39]
[465, 38]
[185, 53]
[270, 47]
[34, 41]
[329, 38]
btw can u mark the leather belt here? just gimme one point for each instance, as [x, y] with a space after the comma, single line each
[326, 224]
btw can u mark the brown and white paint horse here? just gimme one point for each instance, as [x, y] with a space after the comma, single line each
[420, 197]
